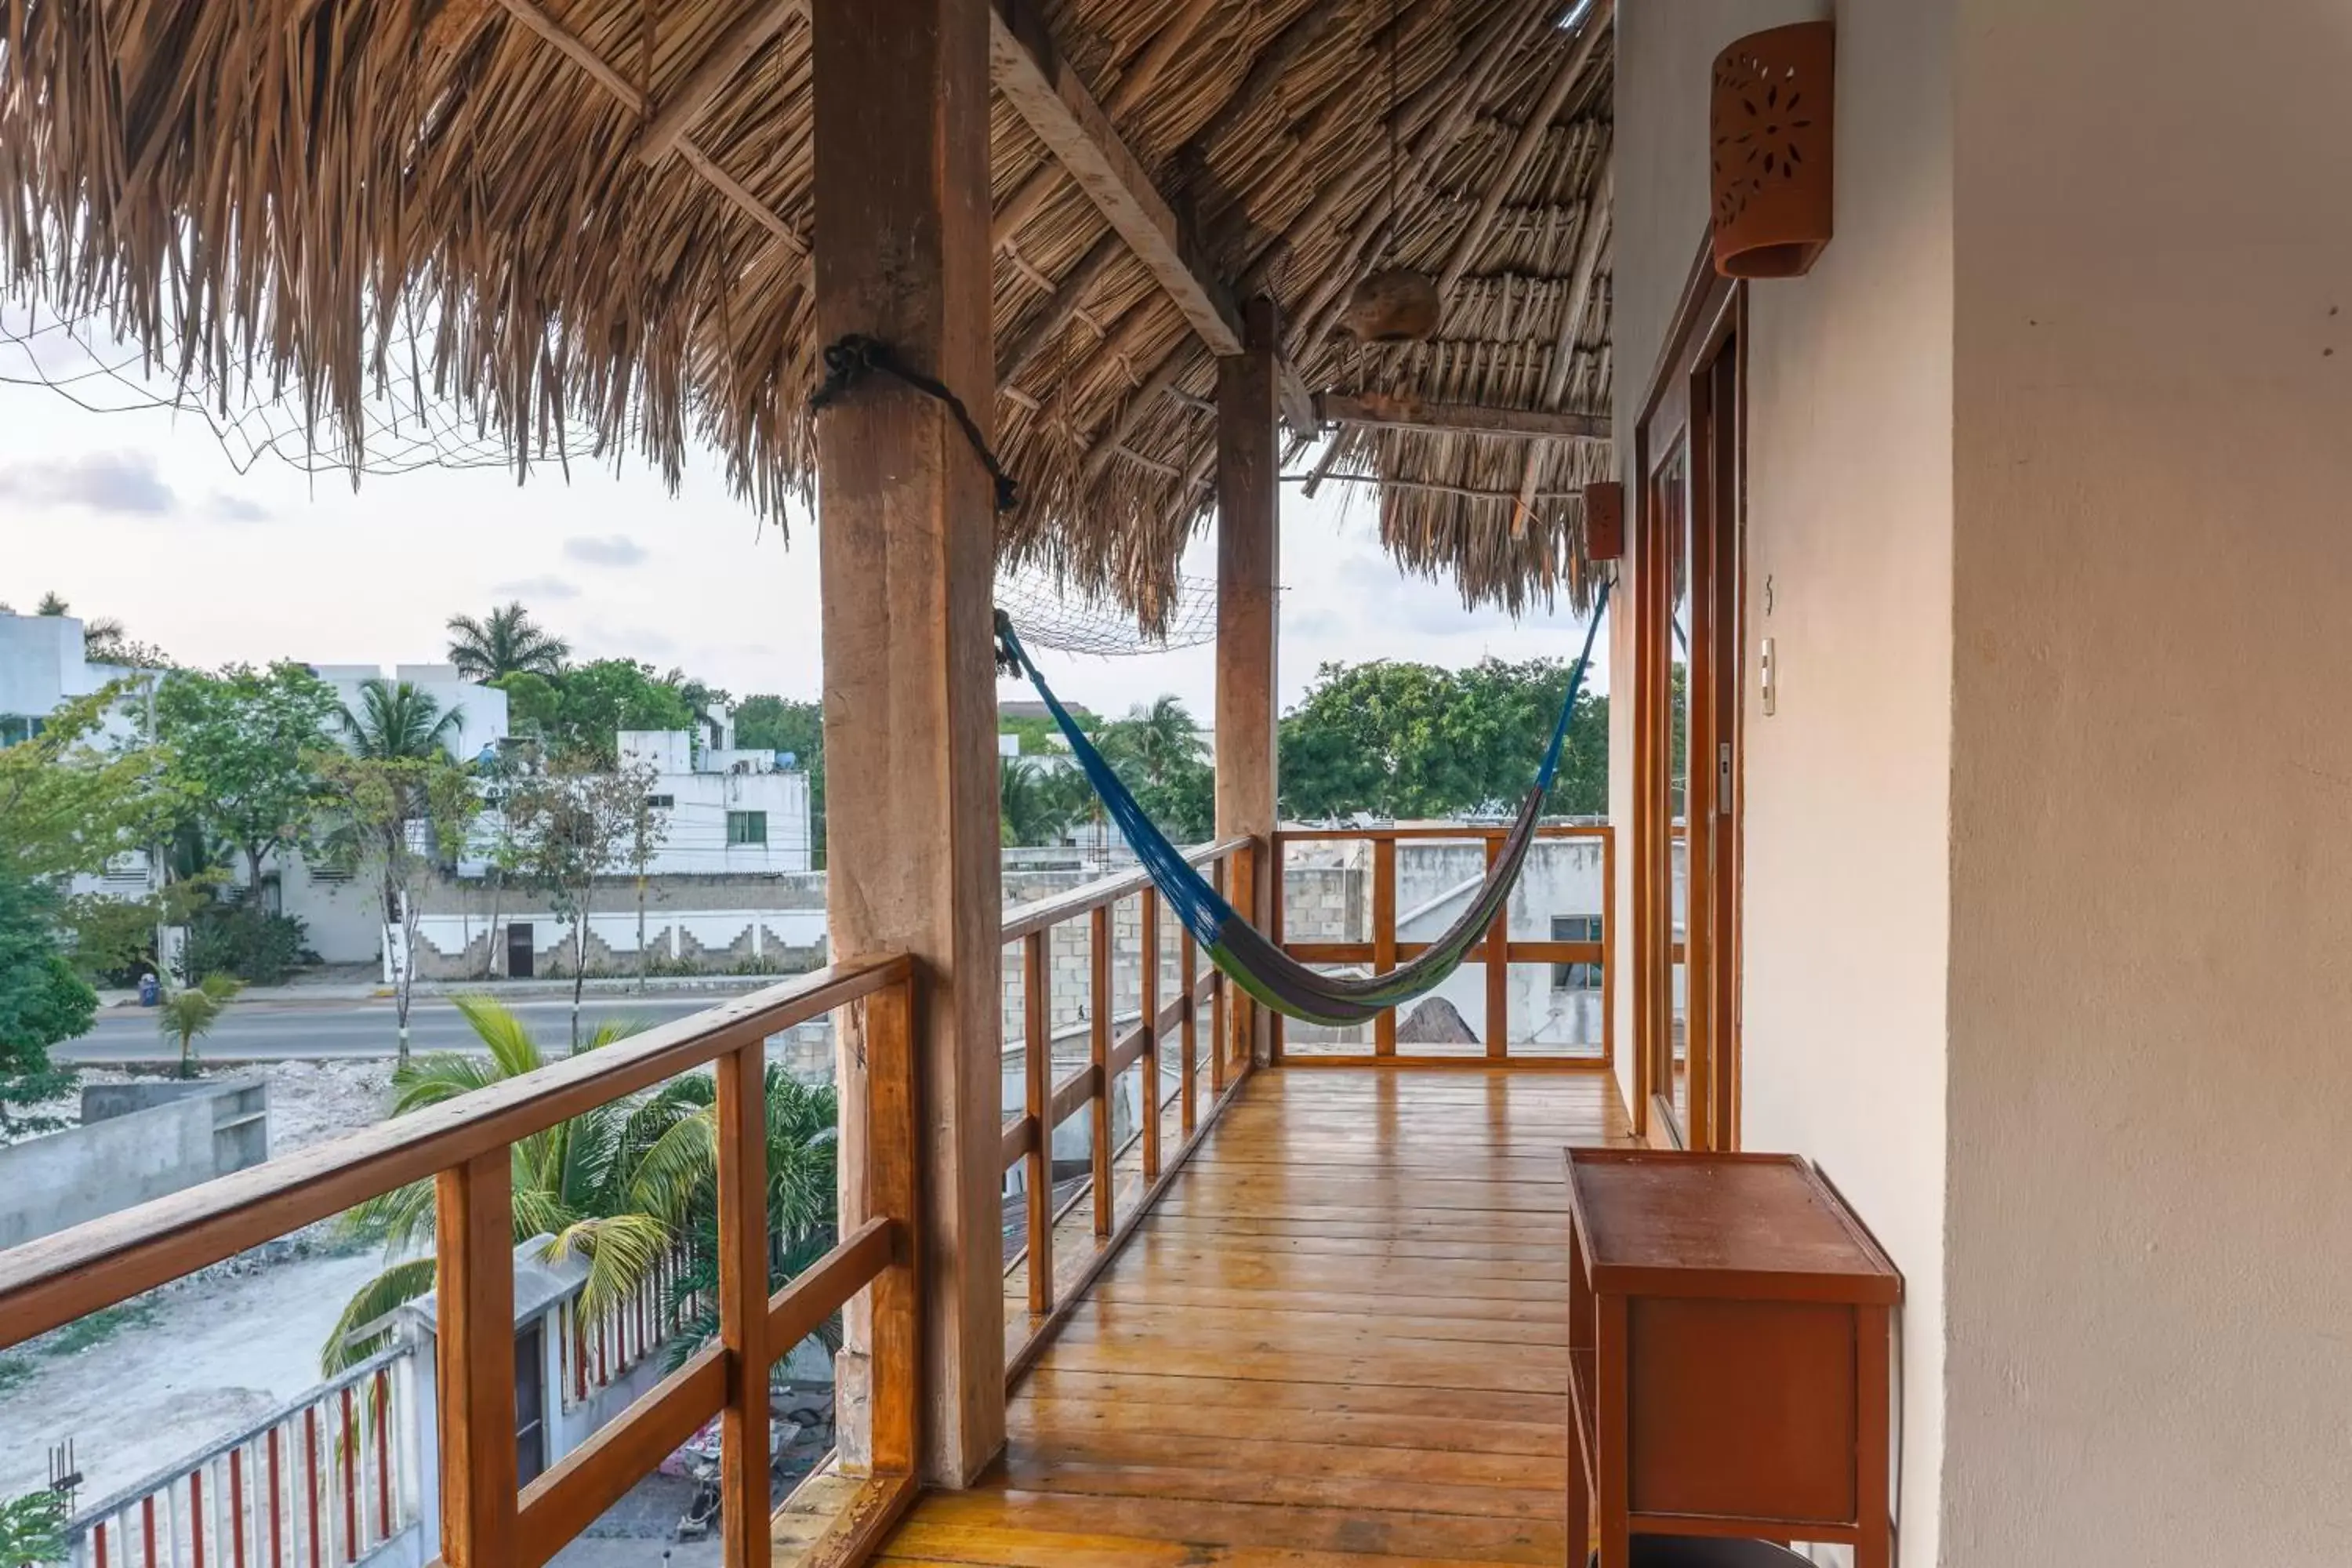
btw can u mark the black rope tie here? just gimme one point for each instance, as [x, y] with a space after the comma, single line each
[857, 356]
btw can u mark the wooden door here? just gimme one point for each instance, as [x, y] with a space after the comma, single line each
[1688, 581]
[530, 1406]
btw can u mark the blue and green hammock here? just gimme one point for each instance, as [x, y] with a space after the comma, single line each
[1237, 948]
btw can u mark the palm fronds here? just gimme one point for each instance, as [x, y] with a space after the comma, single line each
[364, 1327]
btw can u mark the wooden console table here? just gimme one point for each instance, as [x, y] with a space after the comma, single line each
[1730, 1336]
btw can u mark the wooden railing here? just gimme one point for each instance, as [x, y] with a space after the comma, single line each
[464, 1146]
[1201, 994]
[1384, 951]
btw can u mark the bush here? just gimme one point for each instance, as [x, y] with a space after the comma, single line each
[242, 940]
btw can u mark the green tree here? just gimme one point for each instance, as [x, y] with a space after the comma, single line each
[187, 1015]
[770, 723]
[1413, 740]
[241, 746]
[70, 804]
[572, 823]
[1028, 810]
[505, 642]
[580, 713]
[42, 1000]
[395, 820]
[33, 1528]
[1155, 751]
[398, 721]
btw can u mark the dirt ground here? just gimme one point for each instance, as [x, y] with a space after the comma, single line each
[145, 1383]
[307, 1100]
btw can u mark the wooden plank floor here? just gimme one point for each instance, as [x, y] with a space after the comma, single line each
[1339, 1337]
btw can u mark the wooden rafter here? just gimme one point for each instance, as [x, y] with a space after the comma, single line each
[712, 73]
[1041, 85]
[1523, 148]
[575, 49]
[1400, 412]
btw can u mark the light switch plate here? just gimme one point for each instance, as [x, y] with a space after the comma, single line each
[1767, 666]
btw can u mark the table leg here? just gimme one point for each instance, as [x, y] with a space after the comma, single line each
[1611, 1492]
[1874, 1445]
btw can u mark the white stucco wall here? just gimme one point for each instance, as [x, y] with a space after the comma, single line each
[2150, 1236]
[1850, 520]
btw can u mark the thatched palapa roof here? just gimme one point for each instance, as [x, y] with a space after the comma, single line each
[596, 214]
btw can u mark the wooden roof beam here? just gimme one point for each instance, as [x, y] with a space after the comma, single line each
[1401, 412]
[1040, 84]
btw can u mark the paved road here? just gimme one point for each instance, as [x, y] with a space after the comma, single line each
[282, 1031]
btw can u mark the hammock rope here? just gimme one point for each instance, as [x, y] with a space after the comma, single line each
[1242, 952]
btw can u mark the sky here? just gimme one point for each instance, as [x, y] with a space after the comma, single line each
[140, 515]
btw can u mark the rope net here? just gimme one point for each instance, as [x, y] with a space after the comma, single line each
[82, 359]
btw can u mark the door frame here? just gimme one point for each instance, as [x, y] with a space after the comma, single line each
[1702, 368]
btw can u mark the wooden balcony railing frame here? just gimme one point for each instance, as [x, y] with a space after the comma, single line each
[1047, 1104]
[1384, 952]
[464, 1147]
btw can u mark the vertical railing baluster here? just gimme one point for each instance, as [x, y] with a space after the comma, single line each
[1099, 1041]
[1498, 967]
[1150, 1063]
[383, 1453]
[1187, 974]
[744, 1499]
[474, 1239]
[1218, 1011]
[196, 1515]
[275, 1448]
[1384, 937]
[887, 1187]
[351, 1462]
[1037, 1103]
[147, 1527]
[318, 1558]
[236, 1507]
[1608, 936]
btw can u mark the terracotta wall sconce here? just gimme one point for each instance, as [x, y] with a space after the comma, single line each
[1604, 520]
[1769, 129]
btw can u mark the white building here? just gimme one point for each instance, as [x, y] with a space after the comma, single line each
[726, 811]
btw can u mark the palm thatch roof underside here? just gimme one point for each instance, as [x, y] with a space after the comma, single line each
[289, 192]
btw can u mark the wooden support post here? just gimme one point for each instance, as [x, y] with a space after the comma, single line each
[1098, 1042]
[1249, 531]
[1037, 1103]
[1149, 1065]
[1219, 1011]
[474, 1363]
[907, 554]
[742, 1117]
[1384, 937]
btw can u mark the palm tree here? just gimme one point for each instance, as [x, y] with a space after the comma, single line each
[397, 721]
[622, 1185]
[509, 642]
[186, 1015]
[1157, 740]
[1027, 811]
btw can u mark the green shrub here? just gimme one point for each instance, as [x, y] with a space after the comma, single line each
[243, 942]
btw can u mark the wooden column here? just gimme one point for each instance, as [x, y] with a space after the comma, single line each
[905, 546]
[1249, 533]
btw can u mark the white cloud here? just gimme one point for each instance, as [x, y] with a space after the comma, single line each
[545, 587]
[120, 483]
[606, 549]
[236, 508]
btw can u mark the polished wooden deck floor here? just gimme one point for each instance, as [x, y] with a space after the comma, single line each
[1340, 1336]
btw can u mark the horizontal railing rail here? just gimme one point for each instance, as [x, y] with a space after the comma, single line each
[464, 1146]
[1384, 950]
